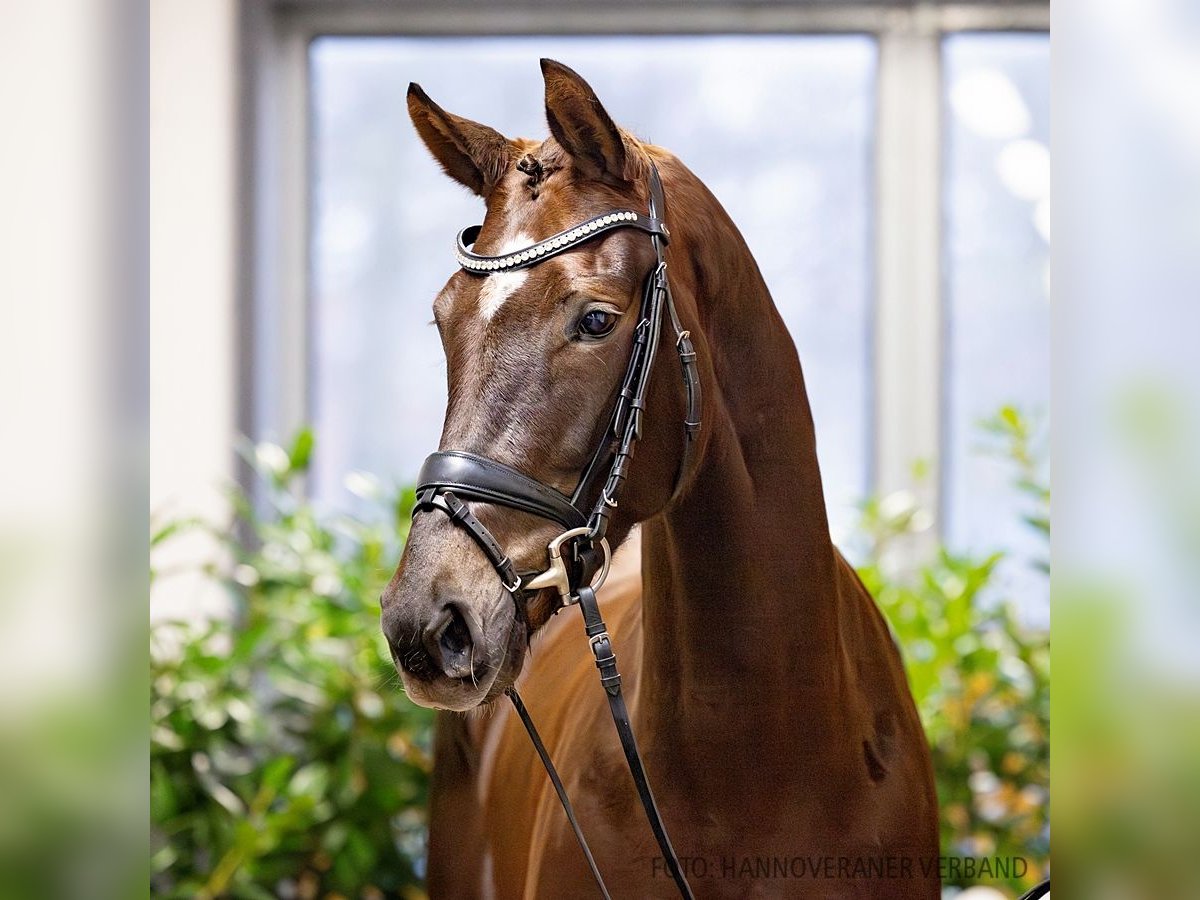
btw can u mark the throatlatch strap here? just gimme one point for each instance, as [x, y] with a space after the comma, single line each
[558, 788]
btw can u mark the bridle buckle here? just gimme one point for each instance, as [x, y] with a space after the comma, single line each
[556, 575]
[596, 639]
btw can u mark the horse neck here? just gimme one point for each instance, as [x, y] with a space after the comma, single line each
[740, 574]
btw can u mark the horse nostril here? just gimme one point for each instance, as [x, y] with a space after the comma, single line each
[448, 638]
[456, 637]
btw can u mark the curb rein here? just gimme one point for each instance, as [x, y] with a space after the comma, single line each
[579, 557]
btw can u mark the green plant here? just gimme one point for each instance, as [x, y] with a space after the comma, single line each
[285, 761]
[980, 677]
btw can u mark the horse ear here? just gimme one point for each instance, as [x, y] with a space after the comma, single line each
[582, 127]
[472, 154]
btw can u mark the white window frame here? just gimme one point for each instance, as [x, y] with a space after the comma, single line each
[908, 409]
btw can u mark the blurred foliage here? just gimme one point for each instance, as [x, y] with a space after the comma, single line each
[71, 802]
[286, 762]
[1127, 708]
[980, 677]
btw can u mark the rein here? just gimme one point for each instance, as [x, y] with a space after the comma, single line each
[579, 557]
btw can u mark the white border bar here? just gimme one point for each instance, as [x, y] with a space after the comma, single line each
[908, 343]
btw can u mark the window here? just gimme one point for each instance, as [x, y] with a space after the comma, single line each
[887, 166]
[997, 305]
[779, 127]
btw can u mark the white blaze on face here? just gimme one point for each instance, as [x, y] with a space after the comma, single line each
[499, 286]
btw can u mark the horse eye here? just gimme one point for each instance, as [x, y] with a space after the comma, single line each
[597, 323]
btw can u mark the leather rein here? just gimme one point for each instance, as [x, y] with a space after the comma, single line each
[579, 557]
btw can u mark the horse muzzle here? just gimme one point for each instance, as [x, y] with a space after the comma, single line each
[456, 640]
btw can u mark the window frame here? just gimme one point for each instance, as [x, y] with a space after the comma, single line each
[907, 329]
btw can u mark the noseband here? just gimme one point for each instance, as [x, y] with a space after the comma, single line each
[579, 556]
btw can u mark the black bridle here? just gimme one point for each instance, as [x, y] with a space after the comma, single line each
[579, 556]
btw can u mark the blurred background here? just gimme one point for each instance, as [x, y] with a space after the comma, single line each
[889, 166]
[261, 152]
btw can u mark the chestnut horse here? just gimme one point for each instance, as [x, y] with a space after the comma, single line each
[765, 688]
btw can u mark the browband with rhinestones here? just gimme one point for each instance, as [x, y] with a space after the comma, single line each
[552, 246]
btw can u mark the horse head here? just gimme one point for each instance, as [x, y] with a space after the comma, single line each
[537, 356]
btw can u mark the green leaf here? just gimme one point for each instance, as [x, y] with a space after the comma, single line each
[301, 450]
[1038, 523]
[276, 772]
[311, 781]
[163, 799]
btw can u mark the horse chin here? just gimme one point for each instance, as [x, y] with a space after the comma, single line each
[445, 694]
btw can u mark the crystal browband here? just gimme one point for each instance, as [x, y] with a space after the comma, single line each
[564, 240]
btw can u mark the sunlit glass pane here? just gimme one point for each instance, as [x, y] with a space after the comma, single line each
[997, 254]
